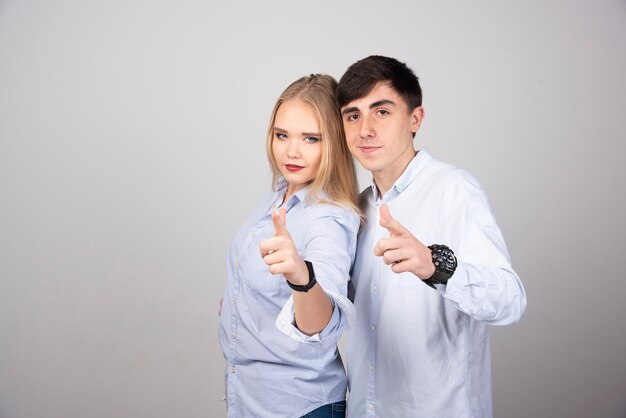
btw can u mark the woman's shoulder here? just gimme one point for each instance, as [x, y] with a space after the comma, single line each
[329, 210]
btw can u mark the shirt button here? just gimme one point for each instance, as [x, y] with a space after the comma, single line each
[370, 407]
[232, 336]
[371, 366]
[373, 328]
[253, 234]
[233, 369]
[340, 282]
[236, 266]
[374, 288]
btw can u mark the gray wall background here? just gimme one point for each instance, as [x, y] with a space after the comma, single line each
[132, 147]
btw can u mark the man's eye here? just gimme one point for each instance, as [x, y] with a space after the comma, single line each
[383, 112]
[352, 118]
[280, 135]
[311, 139]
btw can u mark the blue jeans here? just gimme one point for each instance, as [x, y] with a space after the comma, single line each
[331, 410]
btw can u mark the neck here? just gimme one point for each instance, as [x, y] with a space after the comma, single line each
[386, 177]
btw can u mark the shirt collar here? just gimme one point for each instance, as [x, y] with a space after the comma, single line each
[416, 165]
[299, 196]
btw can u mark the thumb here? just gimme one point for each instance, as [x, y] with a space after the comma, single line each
[388, 222]
[280, 222]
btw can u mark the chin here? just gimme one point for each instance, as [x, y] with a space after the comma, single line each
[368, 164]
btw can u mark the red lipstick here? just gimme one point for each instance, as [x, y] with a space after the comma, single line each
[293, 167]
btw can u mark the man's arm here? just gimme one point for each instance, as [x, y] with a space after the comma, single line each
[484, 285]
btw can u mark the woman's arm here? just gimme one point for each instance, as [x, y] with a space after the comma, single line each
[312, 309]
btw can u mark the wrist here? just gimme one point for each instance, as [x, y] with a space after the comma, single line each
[310, 277]
[428, 271]
[300, 277]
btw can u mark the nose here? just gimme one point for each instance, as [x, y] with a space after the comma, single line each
[293, 151]
[366, 129]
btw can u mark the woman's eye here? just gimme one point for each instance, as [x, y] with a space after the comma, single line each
[280, 135]
[311, 139]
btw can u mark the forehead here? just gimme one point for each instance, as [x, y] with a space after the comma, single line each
[296, 115]
[381, 91]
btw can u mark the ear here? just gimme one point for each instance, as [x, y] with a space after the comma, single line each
[416, 118]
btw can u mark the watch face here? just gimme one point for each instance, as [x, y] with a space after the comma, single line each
[444, 259]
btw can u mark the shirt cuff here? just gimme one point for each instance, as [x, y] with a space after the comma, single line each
[342, 307]
[456, 291]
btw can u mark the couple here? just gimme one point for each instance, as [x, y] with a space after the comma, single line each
[427, 275]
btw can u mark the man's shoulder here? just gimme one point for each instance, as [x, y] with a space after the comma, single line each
[441, 168]
[441, 173]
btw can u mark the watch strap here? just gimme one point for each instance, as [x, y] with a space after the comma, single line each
[437, 277]
[310, 284]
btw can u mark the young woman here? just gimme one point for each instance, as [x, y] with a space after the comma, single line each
[285, 303]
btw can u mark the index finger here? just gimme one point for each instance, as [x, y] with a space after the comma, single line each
[280, 222]
[388, 222]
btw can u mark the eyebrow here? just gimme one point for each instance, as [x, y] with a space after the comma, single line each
[373, 105]
[282, 131]
[349, 110]
[381, 103]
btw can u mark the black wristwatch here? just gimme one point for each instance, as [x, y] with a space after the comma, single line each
[309, 285]
[445, 265]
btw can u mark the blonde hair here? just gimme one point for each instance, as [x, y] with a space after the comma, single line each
[336, 176]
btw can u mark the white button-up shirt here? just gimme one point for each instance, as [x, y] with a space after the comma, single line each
[415, 351]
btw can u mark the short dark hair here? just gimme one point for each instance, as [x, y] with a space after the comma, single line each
[361, 77]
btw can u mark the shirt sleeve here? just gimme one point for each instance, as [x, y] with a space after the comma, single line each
[484, 285]
[330, 247]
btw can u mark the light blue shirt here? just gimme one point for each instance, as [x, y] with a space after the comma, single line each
[272, 369]
[415, 351]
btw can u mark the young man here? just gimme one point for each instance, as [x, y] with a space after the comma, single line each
[432, 270]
